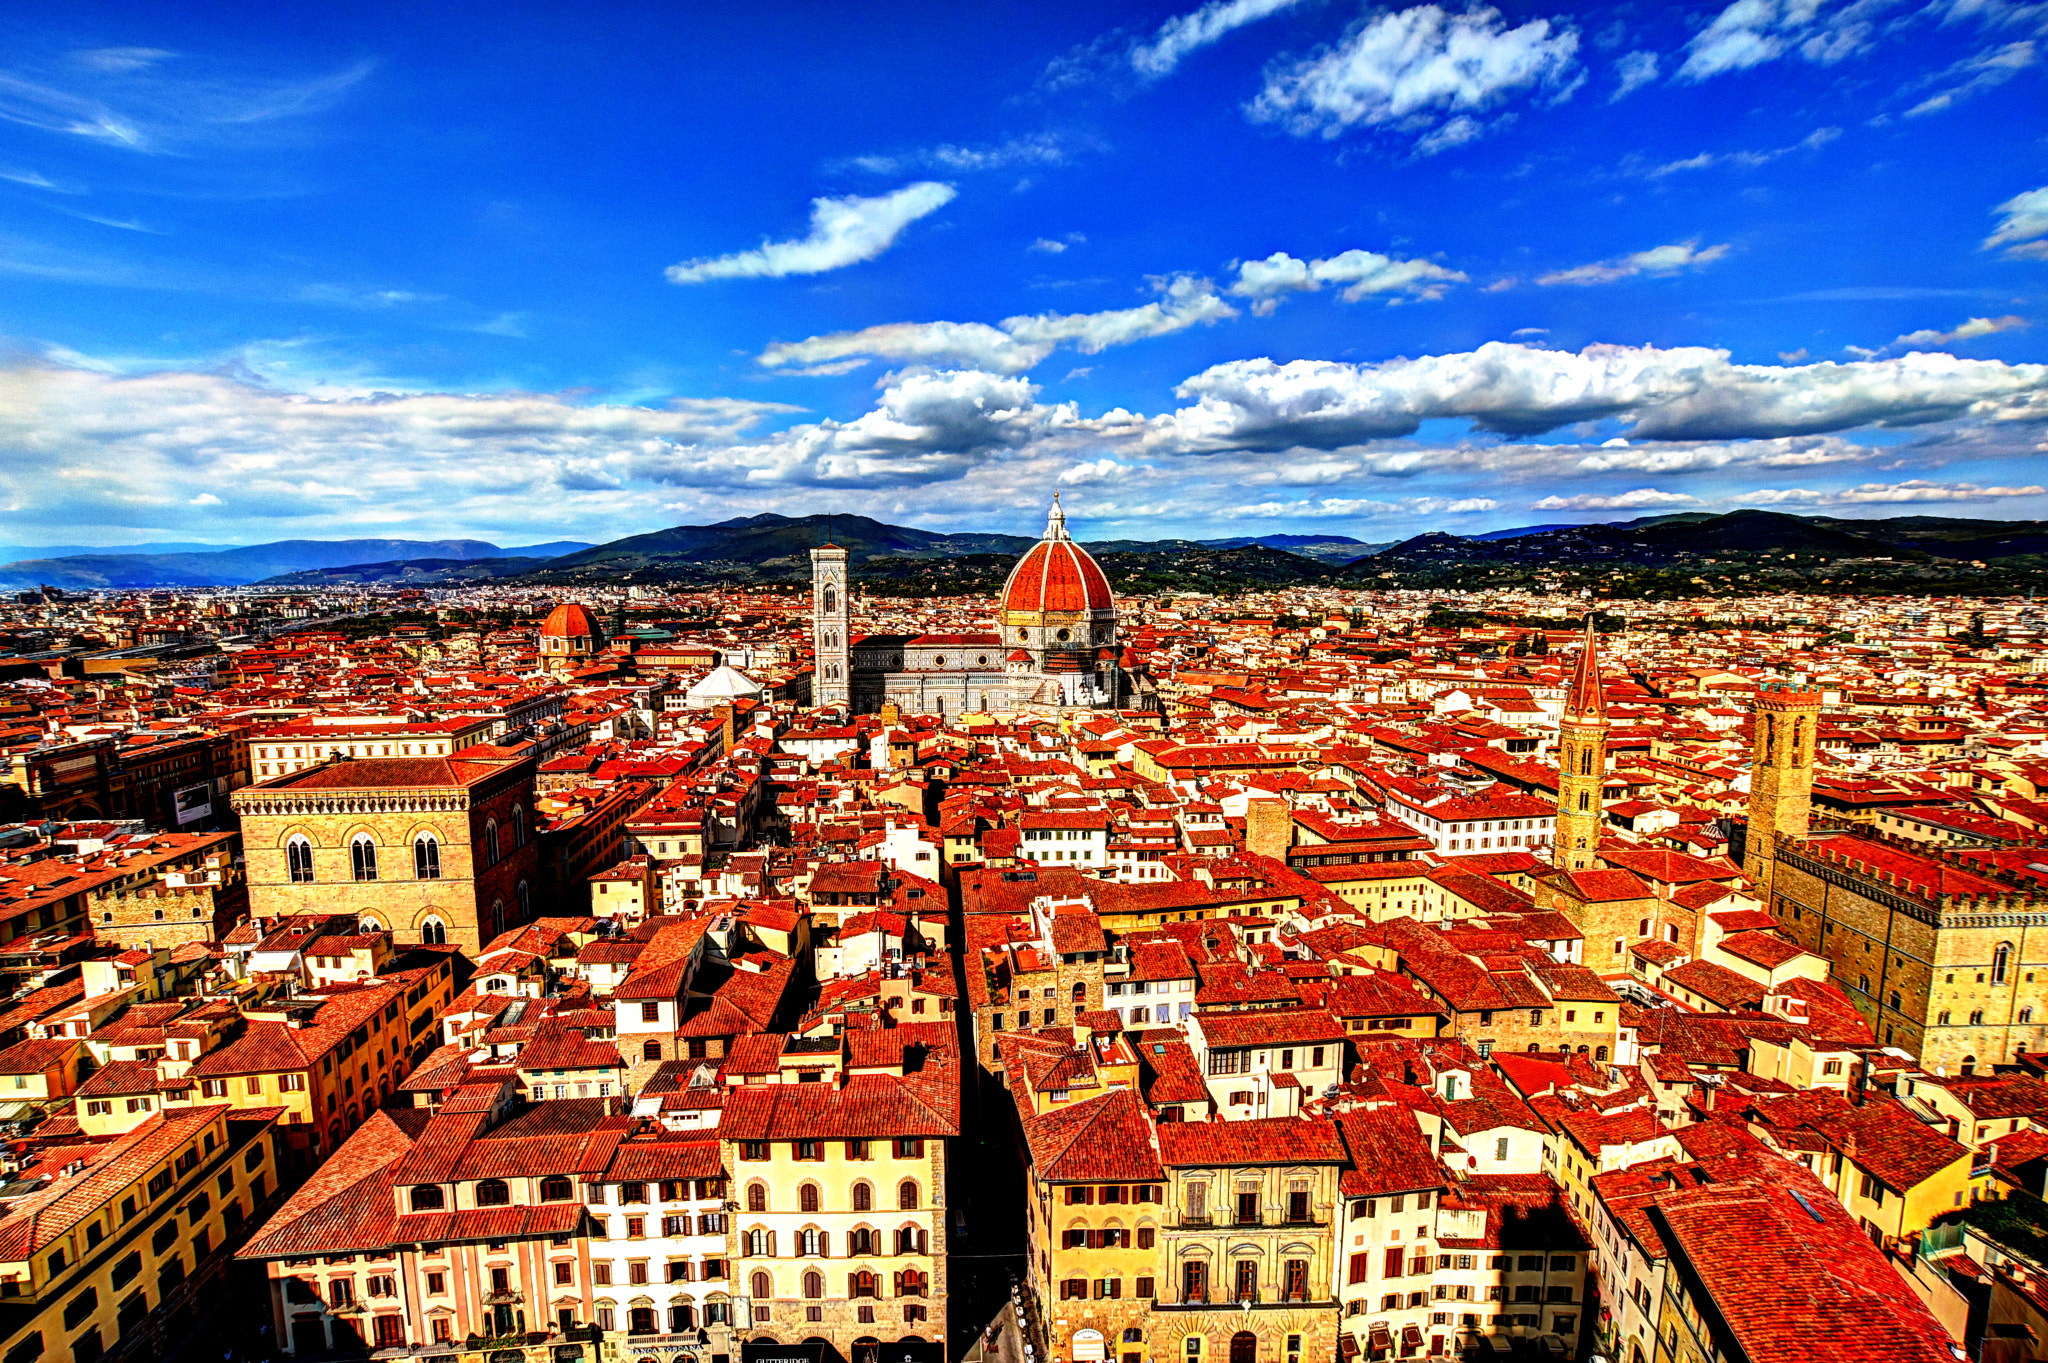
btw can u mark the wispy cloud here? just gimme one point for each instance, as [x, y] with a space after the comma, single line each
[2023, 222]
[1746, 160]
[1866, 494]
[1637, 500]
[121, 99]
[1658, 260]
[1968, 331]
[1422, 73]
[1037, 149]
[1018, 344]
[1186, 33]
[1632, 71]
[844, 231]
[1751, 33]
[1973, 75]
[1363, 273]
[1053, 246]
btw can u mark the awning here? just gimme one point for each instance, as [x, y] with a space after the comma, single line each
[1381, 1337]
[1411, 1335]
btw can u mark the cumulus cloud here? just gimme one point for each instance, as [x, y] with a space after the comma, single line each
[1421, 72]
[1363, 273]
[1632, 72]
[1658, 260]
[1682, 393]
[844, 231]
[1621, 501]
[1018, 344]
[1968, 331]
[1866, 494]
[1185, 33]
[1750, 33]
[2023, 222]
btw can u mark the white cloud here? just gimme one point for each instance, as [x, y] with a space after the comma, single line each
[1968, 331]
[1750, 33]
[1747, 160]
[1185, 33]
[1053, 246]
[205, 499]
[844, 231]
[2023, 223]
[1622, 501]
[1421, 72]
[1633, 71]
[1018, 344]
[1361, 508]
[1037, 149]
[1682, 393]
[1973, 75]
[1364, 272]
[1094, 471]
[1615, 456]
[119, 100]
[1867, 494]
[121, 59]
[1658, 260]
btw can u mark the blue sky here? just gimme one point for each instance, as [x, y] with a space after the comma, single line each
[1247, 267]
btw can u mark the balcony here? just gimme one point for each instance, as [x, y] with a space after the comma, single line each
[509, 1297]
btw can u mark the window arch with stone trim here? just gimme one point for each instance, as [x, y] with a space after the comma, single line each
[493, 1192]
[298, 859]
[907, 1195]
[433, 932]
[362, 856]
[863, 1196]
[490, 842]
[426, 856]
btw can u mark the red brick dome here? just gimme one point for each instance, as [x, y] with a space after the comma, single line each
[570, 620]
[1057, 575]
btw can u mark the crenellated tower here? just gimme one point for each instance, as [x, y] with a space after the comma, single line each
[1581, 761]
[831, 616]
[1787, 721]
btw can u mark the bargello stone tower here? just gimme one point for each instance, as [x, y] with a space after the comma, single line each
[830, 613]
[1787, 722]
[1581, 761]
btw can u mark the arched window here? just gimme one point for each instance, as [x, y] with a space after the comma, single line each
[298, 860]
[1584, 797]
[1600, 1054]
[1798, 740]
[2001, 961]
[757, 1197]
[681, 1316]
[426, 857]
[810, 1242]
[492, 1192]
[807, 1197]
[524, 894]
[434, 933]
[427, 1198]
[763, 1288]
[906, 1195]
[910, 1240]
[519, 825]
[862, 1284]
[1969, 1065]
[362, 856]
[863, 1197]
[1585, 762]
[556, 1188]
[490, 842]
[831, 598]
[814, 1285]
[758, 1243]
[497, 916]
[650, 1050]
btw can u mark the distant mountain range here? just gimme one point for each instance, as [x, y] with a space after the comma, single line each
[77, 568]
[1670, 554]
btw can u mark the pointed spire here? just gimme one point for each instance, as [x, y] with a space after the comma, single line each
[1056, 521]
[1583, 700]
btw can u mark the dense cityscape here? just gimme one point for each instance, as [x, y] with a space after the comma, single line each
[488, 974]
